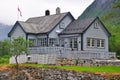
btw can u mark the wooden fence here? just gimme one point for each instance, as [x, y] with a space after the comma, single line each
[68, 53]
[48, 55]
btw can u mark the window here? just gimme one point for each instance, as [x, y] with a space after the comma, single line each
[62, 42]
[100, 43]
[73, 43]
[90, 42]
[39, 42]
[33, 42]
[52, 41]
[42, 42]
[62, 25]
[96, 25]
[70, 43]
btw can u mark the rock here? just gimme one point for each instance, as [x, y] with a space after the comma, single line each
[4, 76]
[31, 73]
[115, 77]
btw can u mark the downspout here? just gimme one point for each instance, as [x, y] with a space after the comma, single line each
[10, 38]
[26, 36]
[81, 41]
[47, 39]
[27, 45]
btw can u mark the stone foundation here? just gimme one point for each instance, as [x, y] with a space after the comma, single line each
[86, 62]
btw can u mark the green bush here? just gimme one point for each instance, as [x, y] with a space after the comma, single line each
[118, 57]
[4, 59]
[4, 47]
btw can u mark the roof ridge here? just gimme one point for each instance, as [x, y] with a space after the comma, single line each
[42, 24]
[45, 16]
[80, 25]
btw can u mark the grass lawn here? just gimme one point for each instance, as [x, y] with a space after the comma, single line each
[4, 61]
[103, 69]
[93, 68]
[107, 69]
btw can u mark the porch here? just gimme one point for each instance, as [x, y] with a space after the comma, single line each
[72, 54]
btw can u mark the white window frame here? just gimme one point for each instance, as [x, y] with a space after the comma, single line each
[52, 41]
[74, 43]
[90, 42]
[95, 43]
[62, 41]
[96, 25]
[42, 42]
[100, 43]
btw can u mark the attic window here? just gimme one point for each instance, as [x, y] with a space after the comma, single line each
[62, 25]
[96, 25]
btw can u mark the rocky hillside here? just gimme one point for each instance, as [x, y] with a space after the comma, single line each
[32, 73]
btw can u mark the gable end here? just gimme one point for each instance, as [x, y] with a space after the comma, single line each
[109, 34]
[17, 23]
[68, 14]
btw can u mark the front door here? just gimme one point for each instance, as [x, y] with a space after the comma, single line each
[73, 44]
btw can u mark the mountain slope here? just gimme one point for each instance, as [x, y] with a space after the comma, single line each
[109, 13]
[98, 8]
[4, 29]
[105, 9]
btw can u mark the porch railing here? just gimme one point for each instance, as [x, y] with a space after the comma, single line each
[69, 53]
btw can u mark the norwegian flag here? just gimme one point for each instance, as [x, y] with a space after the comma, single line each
[19, 11]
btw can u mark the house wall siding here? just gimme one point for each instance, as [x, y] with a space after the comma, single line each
[67, 20]
[42, 36]
[18, 32]
[99, 33]
[79, 43]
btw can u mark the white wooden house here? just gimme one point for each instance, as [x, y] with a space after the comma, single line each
[44, 30]
[61, 32]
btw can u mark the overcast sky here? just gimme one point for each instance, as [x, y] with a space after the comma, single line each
[35, 8]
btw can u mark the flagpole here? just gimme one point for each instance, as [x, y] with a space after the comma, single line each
[17, 13]
[17, 10]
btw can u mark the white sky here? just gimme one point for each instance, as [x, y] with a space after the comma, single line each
[35, 8]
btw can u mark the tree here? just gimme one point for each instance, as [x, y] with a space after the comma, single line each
[4, 47]
[18, 47]
[116, 4]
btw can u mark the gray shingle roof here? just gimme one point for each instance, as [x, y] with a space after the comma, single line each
[42, 24]
[78, 26]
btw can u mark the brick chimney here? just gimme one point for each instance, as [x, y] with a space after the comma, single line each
[57, 10]
[47, 12]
